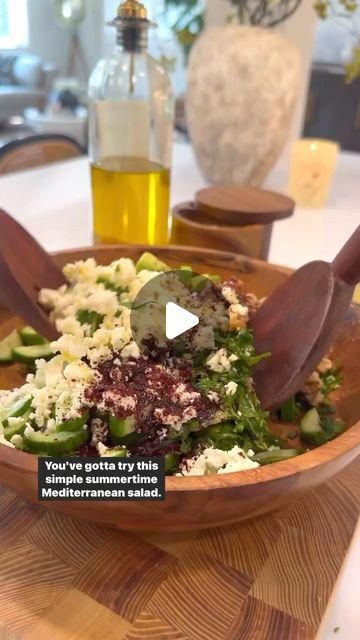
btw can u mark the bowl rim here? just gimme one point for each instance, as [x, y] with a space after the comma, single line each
[321, 456]
[325, 454]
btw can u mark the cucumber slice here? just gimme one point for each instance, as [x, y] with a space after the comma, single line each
[198, 283]
[75, 424]
[30, 337]
[185, 275]
[7, 345]
[20, 407]
[311, 429]
[121, 427]
[117, 452]
[171, 461]
[269, 457]
[149, 262]
[289, 410]
[54, 444]
[29, 355]
[18, 426]
[213, 277]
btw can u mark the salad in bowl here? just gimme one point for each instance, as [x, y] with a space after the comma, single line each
[96, 391]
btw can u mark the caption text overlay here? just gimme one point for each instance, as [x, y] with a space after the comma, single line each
[99, 479]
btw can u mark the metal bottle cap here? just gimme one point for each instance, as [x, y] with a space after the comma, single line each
[132, 10]
[132, 26]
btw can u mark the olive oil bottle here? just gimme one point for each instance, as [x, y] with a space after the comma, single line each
[131, 112]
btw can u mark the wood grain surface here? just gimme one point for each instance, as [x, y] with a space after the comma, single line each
[266, 579]
[193, 228]
[243, 205]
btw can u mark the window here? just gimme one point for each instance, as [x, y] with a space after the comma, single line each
[14, 28]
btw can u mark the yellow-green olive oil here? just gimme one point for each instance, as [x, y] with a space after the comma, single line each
[130, 201]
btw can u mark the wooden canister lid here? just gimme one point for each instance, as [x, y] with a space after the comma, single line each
[235, 205]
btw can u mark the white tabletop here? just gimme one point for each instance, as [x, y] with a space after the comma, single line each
[54, 203]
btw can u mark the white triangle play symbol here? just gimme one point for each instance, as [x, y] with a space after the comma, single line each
[178, 320]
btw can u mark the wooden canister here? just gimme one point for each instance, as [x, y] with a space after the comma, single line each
[230, 218]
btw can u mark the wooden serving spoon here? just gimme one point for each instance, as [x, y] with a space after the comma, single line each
[298, 322]
[25, 268]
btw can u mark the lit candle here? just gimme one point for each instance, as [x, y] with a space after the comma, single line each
[311, 171]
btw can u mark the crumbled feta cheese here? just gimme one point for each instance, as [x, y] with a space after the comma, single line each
[101, 338]
[188, 414]
[230, 388]
[99, 432]
[97, 356]
[163, 416]
[71, 347]
[14, 423]
[142, 278]
[50, 426]
[103, 301]
[52, 371]
[83, 270]
[102, 449]
[124, 272]
[120, 337]
[324, 365]
[181, 395]
[128, 403]
[29, 431]
[16, 441]
[69, 325]
[230, 295]
[217, 461]
[162, 433]
[239, 310]
[219, 361]
[212, 395]
[131, 351]
[78, 371]
[50, 298]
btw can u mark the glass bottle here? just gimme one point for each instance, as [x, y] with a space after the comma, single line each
[131, 112]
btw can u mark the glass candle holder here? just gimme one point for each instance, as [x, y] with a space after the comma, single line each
[312, 169]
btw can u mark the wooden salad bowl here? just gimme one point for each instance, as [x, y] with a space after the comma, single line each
[209, 501]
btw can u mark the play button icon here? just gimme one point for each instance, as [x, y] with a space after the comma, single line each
[175, 311]
[178, 320]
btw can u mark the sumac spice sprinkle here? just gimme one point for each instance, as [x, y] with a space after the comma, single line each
[159, 394]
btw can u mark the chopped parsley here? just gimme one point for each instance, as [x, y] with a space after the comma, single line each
[91, 318]
[111, 286]
[244, 422]
[330, 380]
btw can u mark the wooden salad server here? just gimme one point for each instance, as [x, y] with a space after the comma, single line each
[25, 268]
[298, 322]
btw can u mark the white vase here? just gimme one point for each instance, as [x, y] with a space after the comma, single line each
[243, 84]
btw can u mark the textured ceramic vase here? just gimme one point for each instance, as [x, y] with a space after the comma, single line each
[242, 88]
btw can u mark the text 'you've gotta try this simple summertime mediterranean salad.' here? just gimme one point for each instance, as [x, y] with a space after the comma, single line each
[93, 392]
